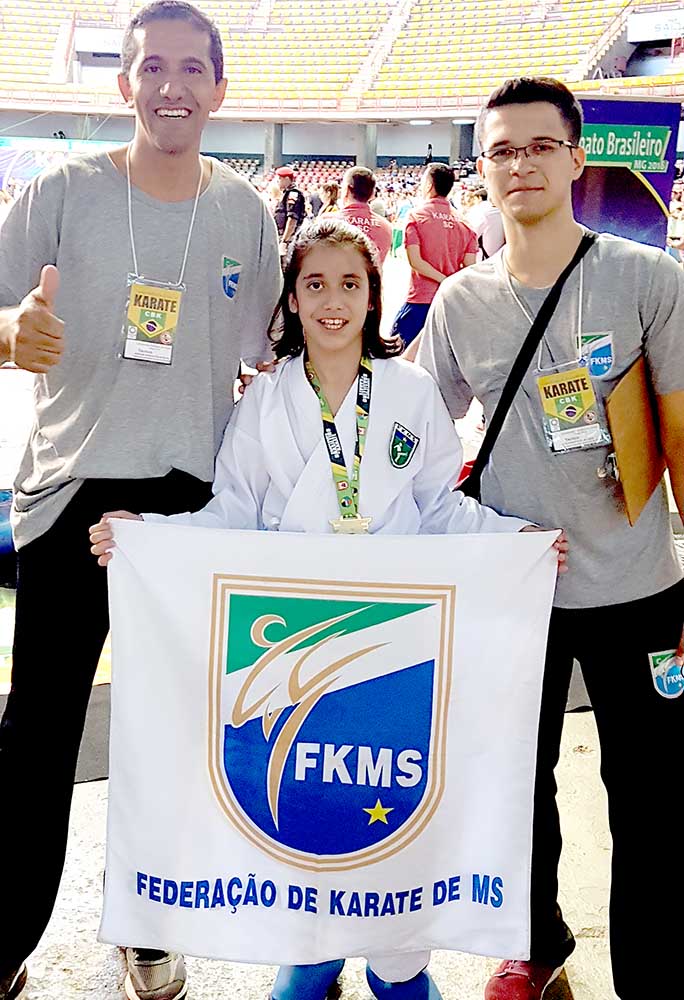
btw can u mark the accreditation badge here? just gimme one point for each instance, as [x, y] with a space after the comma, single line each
[573, 418]
[151, 320]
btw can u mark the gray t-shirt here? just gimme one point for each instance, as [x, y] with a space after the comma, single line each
[97, 416]
[474, 331]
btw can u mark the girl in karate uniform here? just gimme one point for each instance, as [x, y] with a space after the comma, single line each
[343, 436]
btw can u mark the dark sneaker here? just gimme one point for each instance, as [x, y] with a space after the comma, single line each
[155, 975]
[12, 986]
[521, 980]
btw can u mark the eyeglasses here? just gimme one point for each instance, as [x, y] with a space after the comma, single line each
[503, 156]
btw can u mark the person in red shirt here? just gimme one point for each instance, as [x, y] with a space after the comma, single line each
[437, 244]
[358, 188]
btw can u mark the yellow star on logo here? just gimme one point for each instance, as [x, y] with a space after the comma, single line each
[378, 812]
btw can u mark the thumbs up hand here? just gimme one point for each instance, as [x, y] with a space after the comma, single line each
[48, 285]
[37, 335]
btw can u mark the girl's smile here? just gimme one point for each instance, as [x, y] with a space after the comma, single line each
[332, 298]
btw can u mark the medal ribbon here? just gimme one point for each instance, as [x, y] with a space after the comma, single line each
[346, 489]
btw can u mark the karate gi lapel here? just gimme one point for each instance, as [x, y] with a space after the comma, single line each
[311, 501]
[292, 430]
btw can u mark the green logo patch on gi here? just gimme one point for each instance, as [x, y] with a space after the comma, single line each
[310, 757]
[402, 446]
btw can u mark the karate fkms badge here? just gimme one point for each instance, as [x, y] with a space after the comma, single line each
[666, 674]
[230, 276]
[597, 349]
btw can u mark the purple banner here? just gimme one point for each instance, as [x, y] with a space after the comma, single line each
[631, 151]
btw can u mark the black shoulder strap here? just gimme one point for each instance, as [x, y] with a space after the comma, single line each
[521, 365]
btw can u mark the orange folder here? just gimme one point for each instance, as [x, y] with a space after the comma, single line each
[633, 419]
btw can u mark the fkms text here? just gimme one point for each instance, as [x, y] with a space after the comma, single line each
[357, 765]
[557, 389]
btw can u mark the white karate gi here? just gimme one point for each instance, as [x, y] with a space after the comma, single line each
[273, 472]
[273, 468]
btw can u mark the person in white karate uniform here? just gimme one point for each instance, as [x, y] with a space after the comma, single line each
[343, 436]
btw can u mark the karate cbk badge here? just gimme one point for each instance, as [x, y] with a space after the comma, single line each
[309, 756]
[402, 446]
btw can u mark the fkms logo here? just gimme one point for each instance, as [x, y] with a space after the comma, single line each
[230, 276]
[598, 349]
[328, 715]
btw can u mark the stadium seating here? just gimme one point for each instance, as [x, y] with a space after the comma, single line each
[307, 53]
[297, 55]
[467, 48]
[311, 174]
[246, 167]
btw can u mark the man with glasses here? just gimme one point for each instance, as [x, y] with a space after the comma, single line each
[622, 603]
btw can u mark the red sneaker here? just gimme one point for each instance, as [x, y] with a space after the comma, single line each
[520, 980]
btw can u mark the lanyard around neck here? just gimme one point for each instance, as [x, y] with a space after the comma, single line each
[130, 219]
[530, 317]
[346, 488]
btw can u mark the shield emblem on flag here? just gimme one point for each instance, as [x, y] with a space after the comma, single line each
[403, 444]
[328, 710]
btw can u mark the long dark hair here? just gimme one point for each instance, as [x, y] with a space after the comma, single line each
[286, 333]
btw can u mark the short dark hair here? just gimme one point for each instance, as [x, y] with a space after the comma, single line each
[442, 178]
[361, 181]
[286, 333]
[172, 10]
[536, 90]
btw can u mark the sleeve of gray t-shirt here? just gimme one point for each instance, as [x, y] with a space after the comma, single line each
[29, 237]
[662, 320]
[436, 354]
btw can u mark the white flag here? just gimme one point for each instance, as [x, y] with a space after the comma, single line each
[323, 746]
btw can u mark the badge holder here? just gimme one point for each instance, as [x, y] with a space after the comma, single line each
[151, 320]
[573, 417]
[153, 307]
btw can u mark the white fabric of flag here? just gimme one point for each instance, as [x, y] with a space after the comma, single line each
[323, 746]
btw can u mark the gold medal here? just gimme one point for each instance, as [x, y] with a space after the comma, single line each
[355, 525]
